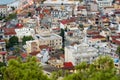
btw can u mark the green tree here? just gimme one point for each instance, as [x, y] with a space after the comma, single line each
[62, 34]
[101, 69]
[81, 27]
[13, 41]
[17, 51]
[56, 75]
[29, 14]
[118, 51]
[11, 16]
[26, 38]
[79, 0]
[13, 8]
[18, 70]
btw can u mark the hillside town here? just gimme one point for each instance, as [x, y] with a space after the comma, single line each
[60, 33]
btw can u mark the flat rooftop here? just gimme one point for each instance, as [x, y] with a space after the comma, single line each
[51, 36]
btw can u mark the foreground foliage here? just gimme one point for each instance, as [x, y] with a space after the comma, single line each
[101, 69]
[17, 70]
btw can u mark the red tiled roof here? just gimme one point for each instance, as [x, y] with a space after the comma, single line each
[68, 65]
[2, 40]
[24, 55]
[56, 29]
[70, 32]
[47, 11]
[98, 36]
[116, 36]
[11, 57]
[41, 15]
[19, 25]
[3, 52]
[66, 21]
[45, 47]
[92, 32]
[34, 53]
[103, 17]
[3, 6]
[9, 31]
[116, 41]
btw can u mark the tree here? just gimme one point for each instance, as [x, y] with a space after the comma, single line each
[13, 41]
[29, 14]
[118, 51]
[13, 8]
[26, 38]
[11, 16]
[101, 69]
[79, 0]
[18, 70]
[39, 1]
[1, 65]
[17, 50]
[62, 34]
[81, 27]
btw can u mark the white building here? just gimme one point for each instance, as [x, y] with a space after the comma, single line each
[79, 53]
[61, 2]
[17, 4]
[3, 10]
[104, 3]
[2, 45]
[14, 4]
[43, 56]
[21, 32]
[118, 28]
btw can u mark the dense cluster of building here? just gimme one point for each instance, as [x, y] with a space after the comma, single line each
[91, 28]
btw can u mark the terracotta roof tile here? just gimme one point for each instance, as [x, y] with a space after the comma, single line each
[116, 41]
[45, 47]
[34, 53]
[19, 25]
[2, 40]
[68, 65]
[98, 36]
[11, 57]
[24, 55]
[9, 31]
[66, 21]
[41, 15]
[3, 52]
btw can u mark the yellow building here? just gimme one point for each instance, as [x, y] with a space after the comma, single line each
[32, 46]
[116, 6]
[52, 40]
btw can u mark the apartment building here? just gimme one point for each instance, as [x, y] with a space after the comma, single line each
[52, 40]
[104, 3]
[20, 33]
[3, 10]
[79, 53]
[32, 46]
[2, 45]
